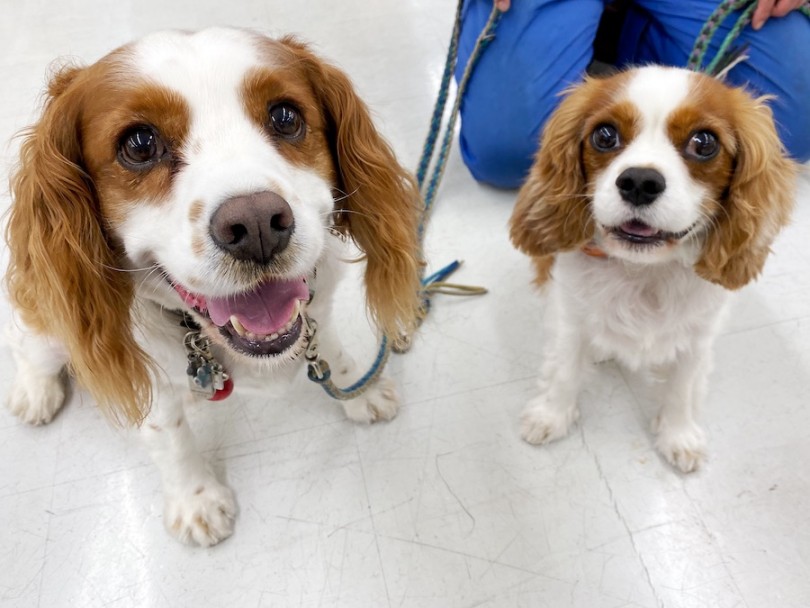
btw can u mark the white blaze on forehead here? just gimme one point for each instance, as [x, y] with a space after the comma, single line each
[657, 92]
[186, 62]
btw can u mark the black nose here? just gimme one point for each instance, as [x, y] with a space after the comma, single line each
[254, 227]
[640, 185]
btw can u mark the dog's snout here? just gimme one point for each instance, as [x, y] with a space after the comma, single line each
[640, 185]
[255, 227]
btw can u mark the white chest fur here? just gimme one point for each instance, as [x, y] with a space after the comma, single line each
[640, 314]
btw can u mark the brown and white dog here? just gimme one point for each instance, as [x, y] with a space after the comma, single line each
[655, 191]
[210, 173]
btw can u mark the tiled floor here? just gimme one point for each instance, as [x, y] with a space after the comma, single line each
[444, 506]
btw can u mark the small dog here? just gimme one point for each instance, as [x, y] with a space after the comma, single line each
[654, 192]
[197, 185]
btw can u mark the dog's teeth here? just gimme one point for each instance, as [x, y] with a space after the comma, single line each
[250, 336]
[237, 325]
[295, 312]
[273, 336]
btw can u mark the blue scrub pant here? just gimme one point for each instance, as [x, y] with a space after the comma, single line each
[543, 46]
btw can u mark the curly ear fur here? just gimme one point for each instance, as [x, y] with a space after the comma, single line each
[759, 201]
[553, 212]
[380, 203]
[62, 276]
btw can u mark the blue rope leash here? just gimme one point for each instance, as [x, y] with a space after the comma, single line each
[318, 370]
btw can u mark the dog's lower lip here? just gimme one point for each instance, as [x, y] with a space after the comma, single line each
[656, 238]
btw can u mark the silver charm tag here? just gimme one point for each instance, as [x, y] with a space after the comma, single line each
[205, 375]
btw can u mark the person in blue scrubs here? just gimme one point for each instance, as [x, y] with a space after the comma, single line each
[542, 47]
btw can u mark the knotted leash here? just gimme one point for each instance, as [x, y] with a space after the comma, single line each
[318, 369]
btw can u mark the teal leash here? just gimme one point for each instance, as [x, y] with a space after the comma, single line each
[318, 369]
[726, 56]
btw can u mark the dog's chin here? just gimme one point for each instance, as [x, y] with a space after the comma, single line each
[263, 323]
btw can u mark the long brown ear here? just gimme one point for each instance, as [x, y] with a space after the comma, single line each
[759, 201]
[379, 204]
[552, 212]
[62, 274]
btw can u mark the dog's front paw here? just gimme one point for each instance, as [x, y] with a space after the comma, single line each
[379, 402]
[35, 399]
[684, 446]
[204, 516]
[543, 421]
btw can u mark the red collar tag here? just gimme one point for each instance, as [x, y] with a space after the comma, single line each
[224, 392]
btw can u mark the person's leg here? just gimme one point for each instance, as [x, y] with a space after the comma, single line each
[540, 48]
[664, 31]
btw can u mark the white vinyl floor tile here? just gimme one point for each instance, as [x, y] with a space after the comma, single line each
[444, 506]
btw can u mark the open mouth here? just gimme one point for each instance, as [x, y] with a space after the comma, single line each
[263, 322]
[639, 233]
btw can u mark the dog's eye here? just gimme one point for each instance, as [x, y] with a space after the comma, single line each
[605, 138]
[702, 145]
[140, 147]
[286, 121]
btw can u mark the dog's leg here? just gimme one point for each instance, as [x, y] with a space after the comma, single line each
[550, 415]
[38, 389]
[679, 438]
[197, 508]
[379, 402]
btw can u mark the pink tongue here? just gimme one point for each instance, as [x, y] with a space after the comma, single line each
[638, 228]
[263, 310]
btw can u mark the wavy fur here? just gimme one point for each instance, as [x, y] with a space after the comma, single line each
[552, 211]
[759, 199]
[62, 275]
[380, 200]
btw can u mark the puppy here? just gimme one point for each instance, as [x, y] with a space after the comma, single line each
[654, 193]
[176, 214]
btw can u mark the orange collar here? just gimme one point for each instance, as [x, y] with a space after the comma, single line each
[593, 250]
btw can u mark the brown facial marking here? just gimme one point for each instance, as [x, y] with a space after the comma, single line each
[113, 107]
[624, 116]
[263, 88]
[195, 211]
[706, 110]
[198, 246]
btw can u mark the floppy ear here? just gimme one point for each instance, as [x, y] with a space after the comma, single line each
[379, 204]
[552, 212]
[759, 201]
[62, 275]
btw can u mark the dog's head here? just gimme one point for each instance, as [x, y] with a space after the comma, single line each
[656, 164]
[203, 171]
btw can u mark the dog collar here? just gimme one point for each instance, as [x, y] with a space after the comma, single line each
[593, 250]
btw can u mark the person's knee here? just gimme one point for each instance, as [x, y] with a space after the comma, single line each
[503, 164]
[793, 126]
